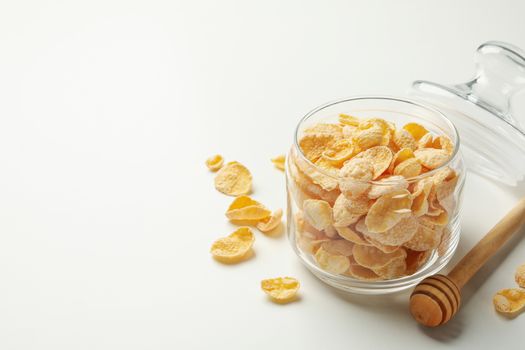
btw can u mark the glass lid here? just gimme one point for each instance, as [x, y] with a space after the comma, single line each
[491, 131]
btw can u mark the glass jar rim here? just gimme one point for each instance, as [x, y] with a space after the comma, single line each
[429, 173]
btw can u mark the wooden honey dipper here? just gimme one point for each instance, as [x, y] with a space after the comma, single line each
[436, 299]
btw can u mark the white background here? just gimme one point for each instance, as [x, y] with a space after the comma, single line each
[108, 110]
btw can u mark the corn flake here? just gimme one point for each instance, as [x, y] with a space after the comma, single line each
[509, 302]
[338, 247]
[388, 210]
[243, 208]
[386, 185]
[310, 189]
[352, 236]
[400, 156]
[233, 248]
[326, 182]
[444, 143]
[431, 158]
[339, 152]
[519, 276]
[362, 273]
[396, 268]
[270, 223]
[415, 260]
[279, 161]
[347, 211]
[382, 247]
[333, 263]
[354, 177]
[324, 129]
[368, 138]
[281, 289]
[313, 145]
[400, 233]
[349, 120]
[416, 130]
[427, 237]
[445, 194]
[318, 213]
[234, 179]
[373, 258]
[215, 162]
[436, 220]
[421, 192]
[403, 139]
[409, 168]
[427, 141]
[380, 158]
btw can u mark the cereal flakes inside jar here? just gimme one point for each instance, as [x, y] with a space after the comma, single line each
[374, 198]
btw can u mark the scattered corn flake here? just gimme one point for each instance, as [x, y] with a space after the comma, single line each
[233, 248]
[243, 208]
[279, 161]
[380, 158]
[425, 238]
[373, 258]
[338, 247]
[409, 168]
[318, 213]
[519, 276]
[233, 179]
[386, 185]
[281, 289]
[416, 130]
[352, 236]
[333, 263]
[404, 140]
[270, 223]
[388, 210]
[431, 158]
[510, 301]
[215, 162]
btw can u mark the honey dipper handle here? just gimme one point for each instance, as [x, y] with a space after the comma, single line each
[488, 245]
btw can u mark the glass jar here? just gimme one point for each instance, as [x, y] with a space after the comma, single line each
[356, 233]
[430, 235]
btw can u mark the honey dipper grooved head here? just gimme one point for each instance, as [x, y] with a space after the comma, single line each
[434, 301]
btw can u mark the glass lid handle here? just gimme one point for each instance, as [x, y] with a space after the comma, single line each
[500, 73]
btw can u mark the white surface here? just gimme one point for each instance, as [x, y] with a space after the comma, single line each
[107, 112]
